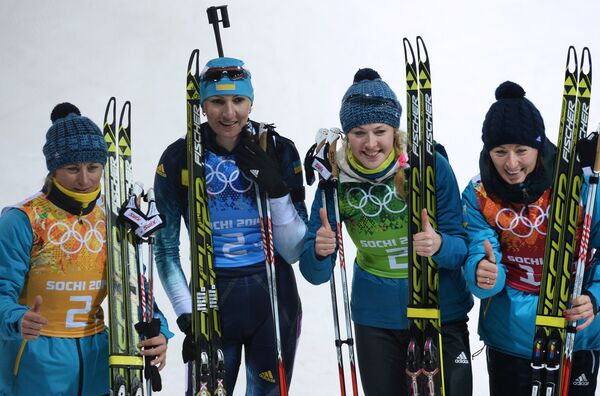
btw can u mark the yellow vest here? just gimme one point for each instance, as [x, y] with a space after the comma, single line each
[67, 268]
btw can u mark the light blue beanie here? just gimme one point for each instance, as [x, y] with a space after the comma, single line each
[225, 85]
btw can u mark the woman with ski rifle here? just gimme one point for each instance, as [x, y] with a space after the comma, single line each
[506, 210]
[53, 273]
[234, 165]
[373, 205]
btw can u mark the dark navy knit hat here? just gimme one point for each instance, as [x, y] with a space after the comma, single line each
[513, 119]
[369, 100]
[72, 139]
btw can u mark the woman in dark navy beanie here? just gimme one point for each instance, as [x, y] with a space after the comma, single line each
[506, 215]
[373, 206]
[53, 336]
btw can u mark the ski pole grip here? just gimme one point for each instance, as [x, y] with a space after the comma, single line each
[597, 159]
[262, 141]
[150, 195]
[331, 157]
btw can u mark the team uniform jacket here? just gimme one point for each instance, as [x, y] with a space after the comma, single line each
[47, 250]
[518, 237]
[376, 219]
[233, 212]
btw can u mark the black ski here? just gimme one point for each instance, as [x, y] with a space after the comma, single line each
[208, 372]
[424, 366]
[125, 362]
[555, 288]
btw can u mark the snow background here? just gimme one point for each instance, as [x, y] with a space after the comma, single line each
[303, 56]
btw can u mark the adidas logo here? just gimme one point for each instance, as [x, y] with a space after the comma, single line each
[267, 376]
[160, 170]
[581, 381]
[254, 172]
[462, 359]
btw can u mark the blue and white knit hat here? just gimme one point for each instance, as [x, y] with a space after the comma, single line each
[369, 100]
[225, 85]
[73, 139]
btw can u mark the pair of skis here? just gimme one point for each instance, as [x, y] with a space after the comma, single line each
[128, 282]
[321, 158]
[424, 365]
[208, 368]
[554, 337]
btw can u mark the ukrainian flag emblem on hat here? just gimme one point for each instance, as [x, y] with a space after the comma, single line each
[225, 86]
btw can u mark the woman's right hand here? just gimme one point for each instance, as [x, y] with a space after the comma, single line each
[32, 321]
[325, 240]
[487, 270]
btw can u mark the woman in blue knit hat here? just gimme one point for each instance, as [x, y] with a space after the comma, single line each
[506, 216]
[53, 272]
[372, 202]
[234, 165]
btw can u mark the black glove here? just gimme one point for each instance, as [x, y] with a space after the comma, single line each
[149, 330]
[586, 150]
[257, 164]
[188, 351]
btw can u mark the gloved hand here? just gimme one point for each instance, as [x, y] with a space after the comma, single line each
[586, 150]
[257, 164]
[149, 330]
[188, 351]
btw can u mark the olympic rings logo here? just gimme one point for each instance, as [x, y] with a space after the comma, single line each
[519, 223]
[370, 203]
[217, 179]
[71, 240]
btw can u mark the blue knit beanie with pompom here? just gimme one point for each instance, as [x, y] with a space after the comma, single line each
[369, 100]
[73, 139]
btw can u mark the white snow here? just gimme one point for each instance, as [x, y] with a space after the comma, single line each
[303, 56]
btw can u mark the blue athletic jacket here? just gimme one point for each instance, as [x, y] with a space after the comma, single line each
[507, 315]
[381, 302]
[233, 211]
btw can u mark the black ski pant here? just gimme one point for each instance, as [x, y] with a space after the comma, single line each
[511, 375]
[382, 360]
[247, 323]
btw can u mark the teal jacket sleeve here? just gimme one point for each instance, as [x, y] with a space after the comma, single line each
[453, 250]
[171, 201]
[164, 324]
[315, 269]
[16, 240]
[478, 231]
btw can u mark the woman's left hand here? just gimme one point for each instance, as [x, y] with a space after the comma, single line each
[427, 242]
[582, 308]
[157, 347]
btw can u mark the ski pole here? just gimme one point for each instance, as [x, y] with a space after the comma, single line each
[266, 228]
[580, 269]
[338, 224]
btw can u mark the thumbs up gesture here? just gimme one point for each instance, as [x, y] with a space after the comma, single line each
[32, 321]
[427, 242]
[325, 239]
[487, 270]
